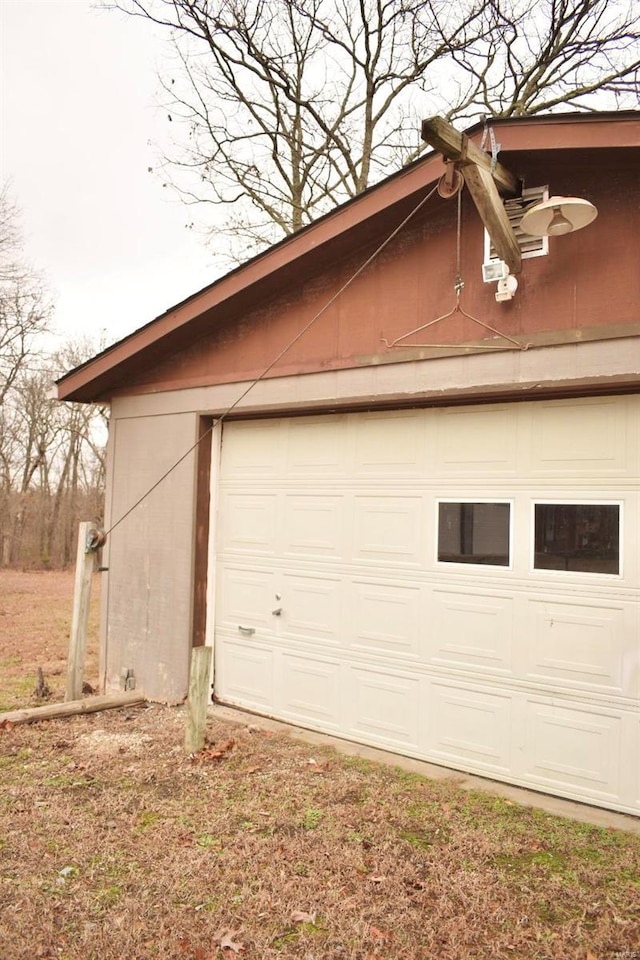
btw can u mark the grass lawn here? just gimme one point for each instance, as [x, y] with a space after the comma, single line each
[113, 844]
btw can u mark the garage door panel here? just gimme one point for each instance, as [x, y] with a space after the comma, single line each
[476, 441]
[577, 644]
[249, 523]
[314, 525]
[633, 744]
[389, 445]
[312, 608]
[383, 708]
[246, 597]
[468, 726]
[574, 748]
[388, 620]
[253, 450]
[589, 438]
[244, 674]
[388, 529]
[309, 690]
[318, 448]
[472, 629]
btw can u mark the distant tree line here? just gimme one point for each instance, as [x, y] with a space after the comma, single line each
[51, 453]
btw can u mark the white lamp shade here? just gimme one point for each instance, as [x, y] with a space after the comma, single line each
[558, 215]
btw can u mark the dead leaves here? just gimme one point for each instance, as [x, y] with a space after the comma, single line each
[301, 916]
[225, 940]
[6, 725]
[212, 754]
[382, 935]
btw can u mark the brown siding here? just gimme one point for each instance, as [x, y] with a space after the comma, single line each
[589, 282]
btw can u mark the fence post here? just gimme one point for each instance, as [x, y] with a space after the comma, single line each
[85, 562]
[197, 700]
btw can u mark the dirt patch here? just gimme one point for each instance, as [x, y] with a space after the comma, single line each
[35, 621]
[100, 744]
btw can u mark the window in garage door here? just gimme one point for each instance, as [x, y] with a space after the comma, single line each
[578, 537]
[474, 532]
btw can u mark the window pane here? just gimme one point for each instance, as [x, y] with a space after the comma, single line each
[474, 533]
[577, 536]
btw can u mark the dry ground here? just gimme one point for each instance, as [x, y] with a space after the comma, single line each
[113, 844]
[35, 616]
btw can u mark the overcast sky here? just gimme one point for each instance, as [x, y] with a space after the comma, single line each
[79, 120]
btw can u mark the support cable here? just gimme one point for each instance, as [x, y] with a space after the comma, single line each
[458, 287]
[376, 253]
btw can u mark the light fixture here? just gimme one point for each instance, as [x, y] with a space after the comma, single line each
[494, 270]
[558, 215]
[506, 289]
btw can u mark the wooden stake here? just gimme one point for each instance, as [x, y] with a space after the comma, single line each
[198, 698]
[85, 562]
[53, 711]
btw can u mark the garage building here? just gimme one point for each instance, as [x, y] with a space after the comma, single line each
[419, 527]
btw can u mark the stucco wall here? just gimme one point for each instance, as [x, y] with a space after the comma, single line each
[147, 590]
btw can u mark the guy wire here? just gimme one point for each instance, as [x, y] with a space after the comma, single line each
[376, 253]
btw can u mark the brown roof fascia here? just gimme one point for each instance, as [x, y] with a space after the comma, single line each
[96, 378]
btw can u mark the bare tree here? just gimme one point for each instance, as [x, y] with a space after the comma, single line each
[285, 107]
[51, 454]
[24, 306]
[51, 468]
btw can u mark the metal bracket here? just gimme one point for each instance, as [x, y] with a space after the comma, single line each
[96, 538]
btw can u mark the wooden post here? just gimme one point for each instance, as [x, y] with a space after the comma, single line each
[85, 561]
[198, 698]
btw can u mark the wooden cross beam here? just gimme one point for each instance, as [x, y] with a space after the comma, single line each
[483, 179]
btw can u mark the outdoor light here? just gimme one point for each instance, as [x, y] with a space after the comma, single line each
[558, 215]
[559, 225]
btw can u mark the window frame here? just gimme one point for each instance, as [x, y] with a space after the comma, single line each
[465, 565]
[568, 502]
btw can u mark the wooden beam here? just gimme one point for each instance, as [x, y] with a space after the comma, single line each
[494, 216]
[53, 711]
[453, 145]
[483, 178]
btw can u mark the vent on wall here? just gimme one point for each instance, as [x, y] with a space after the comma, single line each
[516, 209]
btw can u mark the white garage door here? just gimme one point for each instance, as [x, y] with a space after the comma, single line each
[454, 584]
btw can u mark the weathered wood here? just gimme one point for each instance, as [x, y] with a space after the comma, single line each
[483, 177]
[85, 563]
[198, 699]
[443, 137]
[202, 512]
[53, 711]
[494, 216]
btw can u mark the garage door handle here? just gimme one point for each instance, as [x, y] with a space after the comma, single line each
[248, 630]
